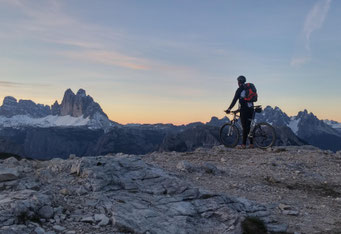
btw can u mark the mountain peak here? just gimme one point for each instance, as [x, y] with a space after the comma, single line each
[69, 91]
[274, 116]
[81, 92]
[55, 108]
[80, 105]
[9, 100]
[268, 108]
[215, 121]
[306, 115]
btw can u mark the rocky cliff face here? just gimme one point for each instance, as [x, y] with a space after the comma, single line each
[274, 116]
[79, 104]
[55, 108]
[317, 132]
[309, 124]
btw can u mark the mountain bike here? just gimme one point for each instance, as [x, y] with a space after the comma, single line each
[263, 134]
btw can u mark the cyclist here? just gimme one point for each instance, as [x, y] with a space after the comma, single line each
[246, 110]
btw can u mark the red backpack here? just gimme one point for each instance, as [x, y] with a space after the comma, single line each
[250, 93]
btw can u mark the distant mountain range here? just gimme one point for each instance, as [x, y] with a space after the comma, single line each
[75, 110]
[324, 134]
[79, 126]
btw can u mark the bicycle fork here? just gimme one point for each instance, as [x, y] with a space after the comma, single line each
[229, 133]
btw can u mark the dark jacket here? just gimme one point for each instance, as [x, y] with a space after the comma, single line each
[239, 96]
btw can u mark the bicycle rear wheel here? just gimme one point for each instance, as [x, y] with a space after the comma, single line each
[264, 135]
[229, 135]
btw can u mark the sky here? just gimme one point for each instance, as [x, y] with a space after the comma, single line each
[173, 61]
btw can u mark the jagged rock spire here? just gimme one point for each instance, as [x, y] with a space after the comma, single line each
[79, 104]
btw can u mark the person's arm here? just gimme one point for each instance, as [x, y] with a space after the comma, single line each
[235, 99]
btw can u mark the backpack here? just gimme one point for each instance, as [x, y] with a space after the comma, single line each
[250, 93]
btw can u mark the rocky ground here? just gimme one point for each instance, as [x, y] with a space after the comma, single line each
[300, 186]
[206, 191]
[114, 194]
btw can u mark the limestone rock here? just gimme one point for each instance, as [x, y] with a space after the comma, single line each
[11, 161]
[102, 219]
[39, 230]
[8, 174]
[88, 219]
[46, 212]
[120, 193]
[58, 228]
[79, 104]
[186, 166]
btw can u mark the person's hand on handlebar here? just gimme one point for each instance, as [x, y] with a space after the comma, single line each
[228, 111]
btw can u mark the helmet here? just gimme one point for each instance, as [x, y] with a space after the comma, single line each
[241, 79]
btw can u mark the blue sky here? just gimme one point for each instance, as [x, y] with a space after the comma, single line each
[173, 61]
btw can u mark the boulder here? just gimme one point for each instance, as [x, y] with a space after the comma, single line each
[102, 219]
[8, 174]
[46, 212]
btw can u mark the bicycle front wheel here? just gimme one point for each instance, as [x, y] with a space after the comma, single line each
[264, 135]
[229, 135]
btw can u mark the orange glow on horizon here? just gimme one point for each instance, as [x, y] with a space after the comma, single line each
[177, 113]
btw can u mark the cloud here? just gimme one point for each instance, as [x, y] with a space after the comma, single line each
[108, 58]
[77, 43]
[8, 84]
[299, 61]
[78, 40]
[45, 21]
[315, 19]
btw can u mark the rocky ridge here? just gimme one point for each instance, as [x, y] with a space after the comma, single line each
[115, 194]
[12, 107]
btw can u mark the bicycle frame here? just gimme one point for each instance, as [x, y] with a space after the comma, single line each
[234, 121]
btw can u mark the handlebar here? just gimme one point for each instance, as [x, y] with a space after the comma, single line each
[237, 111]
[232, 112]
